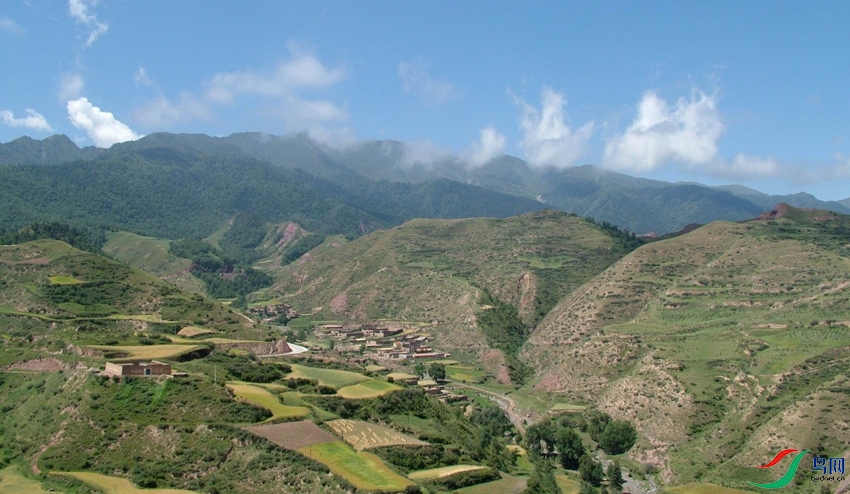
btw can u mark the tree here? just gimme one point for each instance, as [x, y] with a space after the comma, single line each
[596, 423]
[437, 371]
[542, 480]
[569, 446]
[419, 369]
[587, 489]
[540, 438]
[618, 437]
[615, 477]
[590, 470]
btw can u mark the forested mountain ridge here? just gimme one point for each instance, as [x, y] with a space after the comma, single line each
[175, 186]
[371, 172]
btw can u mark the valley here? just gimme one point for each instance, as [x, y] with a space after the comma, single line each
[346, 343]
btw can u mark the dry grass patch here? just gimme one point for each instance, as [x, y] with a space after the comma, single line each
[438, 473]
[192, 331]
[115, 485]
[12, 482]
[293, 435]
[148, 352]
[363, 435]
[567, 485]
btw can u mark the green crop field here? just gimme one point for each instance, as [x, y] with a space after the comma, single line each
[64, 280]
[12, 482]
[115, 485]
[703, 489]
[368, 389]
[364, 470]
[363, 435]
[327, 377]
[436, 473]
[567, 485]
[261, 397]
[400, 376]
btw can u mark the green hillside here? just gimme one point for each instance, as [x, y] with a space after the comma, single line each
[56, 298]
[723, 345]
[434, 271]
[151, 255]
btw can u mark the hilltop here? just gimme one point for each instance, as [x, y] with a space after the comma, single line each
[436, 271]
[721, 344]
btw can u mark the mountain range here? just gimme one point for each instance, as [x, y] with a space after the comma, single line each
[367, 185]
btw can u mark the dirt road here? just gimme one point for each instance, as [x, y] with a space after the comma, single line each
[505, 402]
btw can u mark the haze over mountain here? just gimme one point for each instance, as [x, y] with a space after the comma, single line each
[388, 181]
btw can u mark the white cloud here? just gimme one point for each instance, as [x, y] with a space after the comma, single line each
[162, 113]
[423, 152]
[300, 114]
[415, 79]
[142, 78]
[490, 145]
[79, 10]
[70, 87]
[747, 166]
[547, 140]
[33, 120]
[687, 134]
[11, 27]
[102, 127]
[336, 138]
[302, 71]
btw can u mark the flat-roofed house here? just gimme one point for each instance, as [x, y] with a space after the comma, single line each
[138, 368]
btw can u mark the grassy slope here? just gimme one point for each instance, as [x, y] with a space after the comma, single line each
[12, 482]
[180, 434]
[723, 346]
[111, 305]
[115, 485]
[427, 270]
[151, 255]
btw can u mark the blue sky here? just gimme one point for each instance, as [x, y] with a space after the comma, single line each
[716, 92]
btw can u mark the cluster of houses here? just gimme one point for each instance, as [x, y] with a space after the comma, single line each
[430, 386]
[382, 342]
[271, 312]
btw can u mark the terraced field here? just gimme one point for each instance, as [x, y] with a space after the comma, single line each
[327, 377]
[437, 473]
[294, 435]
[725, 342]
[372, 388]
[364, 470]
[115, 485]
[263, 398]
[363, 435]
[147, 352]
